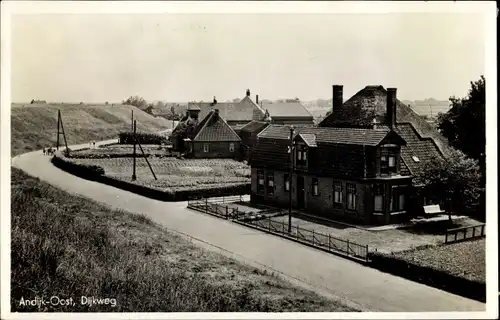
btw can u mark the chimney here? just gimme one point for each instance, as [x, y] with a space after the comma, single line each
[248, 92]
[256, 99]
[214, 102]
[337, 97]
[216, 111]
[391, 107]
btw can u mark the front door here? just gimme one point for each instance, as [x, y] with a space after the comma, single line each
[300, 192]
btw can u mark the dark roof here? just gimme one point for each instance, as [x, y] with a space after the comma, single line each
[366, 137]
[287, 110]
[254, 126]
[338, 160]
[371, 103]
[418, 151]
[214, 128]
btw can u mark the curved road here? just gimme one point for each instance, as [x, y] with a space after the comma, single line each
[364, 287]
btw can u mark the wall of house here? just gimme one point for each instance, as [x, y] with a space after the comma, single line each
[217, 149]
[320, 205]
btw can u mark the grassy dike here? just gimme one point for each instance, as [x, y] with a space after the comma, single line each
[67, 246]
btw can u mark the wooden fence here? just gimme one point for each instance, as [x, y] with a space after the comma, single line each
[464, 233]
[326, 242]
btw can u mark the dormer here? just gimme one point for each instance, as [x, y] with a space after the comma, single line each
[388, 155]
[303, 144]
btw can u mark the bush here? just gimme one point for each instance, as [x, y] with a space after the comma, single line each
[81, 170]
[142, 137]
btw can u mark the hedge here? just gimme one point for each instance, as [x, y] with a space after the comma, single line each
[81, 170]
[142, 137]
[96, 173]
[429, 276]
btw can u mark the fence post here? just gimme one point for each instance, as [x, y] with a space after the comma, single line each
[446, 237]
[206, 205]
[366, 252]
[473, 232]
[348, 246]
[329, 241]
[226, 212]
[465, 233]
[297, 232]
[456, 234]
[482, 230]
[283, 227]
[313, 237]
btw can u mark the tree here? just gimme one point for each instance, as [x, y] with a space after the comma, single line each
[464, 124]
[454, 180]
[136, 101]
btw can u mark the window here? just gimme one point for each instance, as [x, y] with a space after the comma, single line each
[270, 183]
[206, 147]
[392, 162]
[388, 160]
[260, 181]
[378, 198]
[398, 200]
[337, 192]
[351, 196]
[287, 182]
[231, 147]
[301, 156]
[315, 187]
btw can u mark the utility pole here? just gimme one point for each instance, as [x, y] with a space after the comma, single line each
[290, 182]
[132, 121]
[58, 124]
[134, 177]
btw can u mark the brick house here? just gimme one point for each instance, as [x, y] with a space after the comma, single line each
[377, 107]
[213, 138]
[341, 174]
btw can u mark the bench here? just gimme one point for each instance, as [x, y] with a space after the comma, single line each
[433, 209]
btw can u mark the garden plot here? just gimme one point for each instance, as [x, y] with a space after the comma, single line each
[175, 174]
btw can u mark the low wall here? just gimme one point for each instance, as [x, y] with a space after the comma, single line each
[96, 173]
[428, 276]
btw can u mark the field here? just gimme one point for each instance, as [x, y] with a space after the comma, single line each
[464, 259]
[174, 174]
[34, 127]
[74, 247]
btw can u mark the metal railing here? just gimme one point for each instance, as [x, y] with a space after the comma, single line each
[260, 221]
[464, 233]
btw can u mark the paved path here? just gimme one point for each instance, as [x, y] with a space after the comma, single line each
[365, 287]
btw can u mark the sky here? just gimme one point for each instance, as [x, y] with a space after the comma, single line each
[187, 57]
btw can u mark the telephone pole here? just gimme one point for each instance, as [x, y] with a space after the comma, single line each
[134, 177]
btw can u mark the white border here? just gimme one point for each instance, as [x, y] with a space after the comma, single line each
[132, 7]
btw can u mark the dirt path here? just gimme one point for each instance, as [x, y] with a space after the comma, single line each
[363, 286]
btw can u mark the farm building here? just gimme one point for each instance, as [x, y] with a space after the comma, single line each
[291, 113]
[212, 137]
[362, 163]
[241, 113]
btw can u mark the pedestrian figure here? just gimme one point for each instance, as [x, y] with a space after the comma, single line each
[93, 143]
[43, 151]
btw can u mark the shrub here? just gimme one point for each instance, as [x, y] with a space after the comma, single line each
[142, 137]
[81, 170]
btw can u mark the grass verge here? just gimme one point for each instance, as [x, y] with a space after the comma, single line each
[69, 246]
